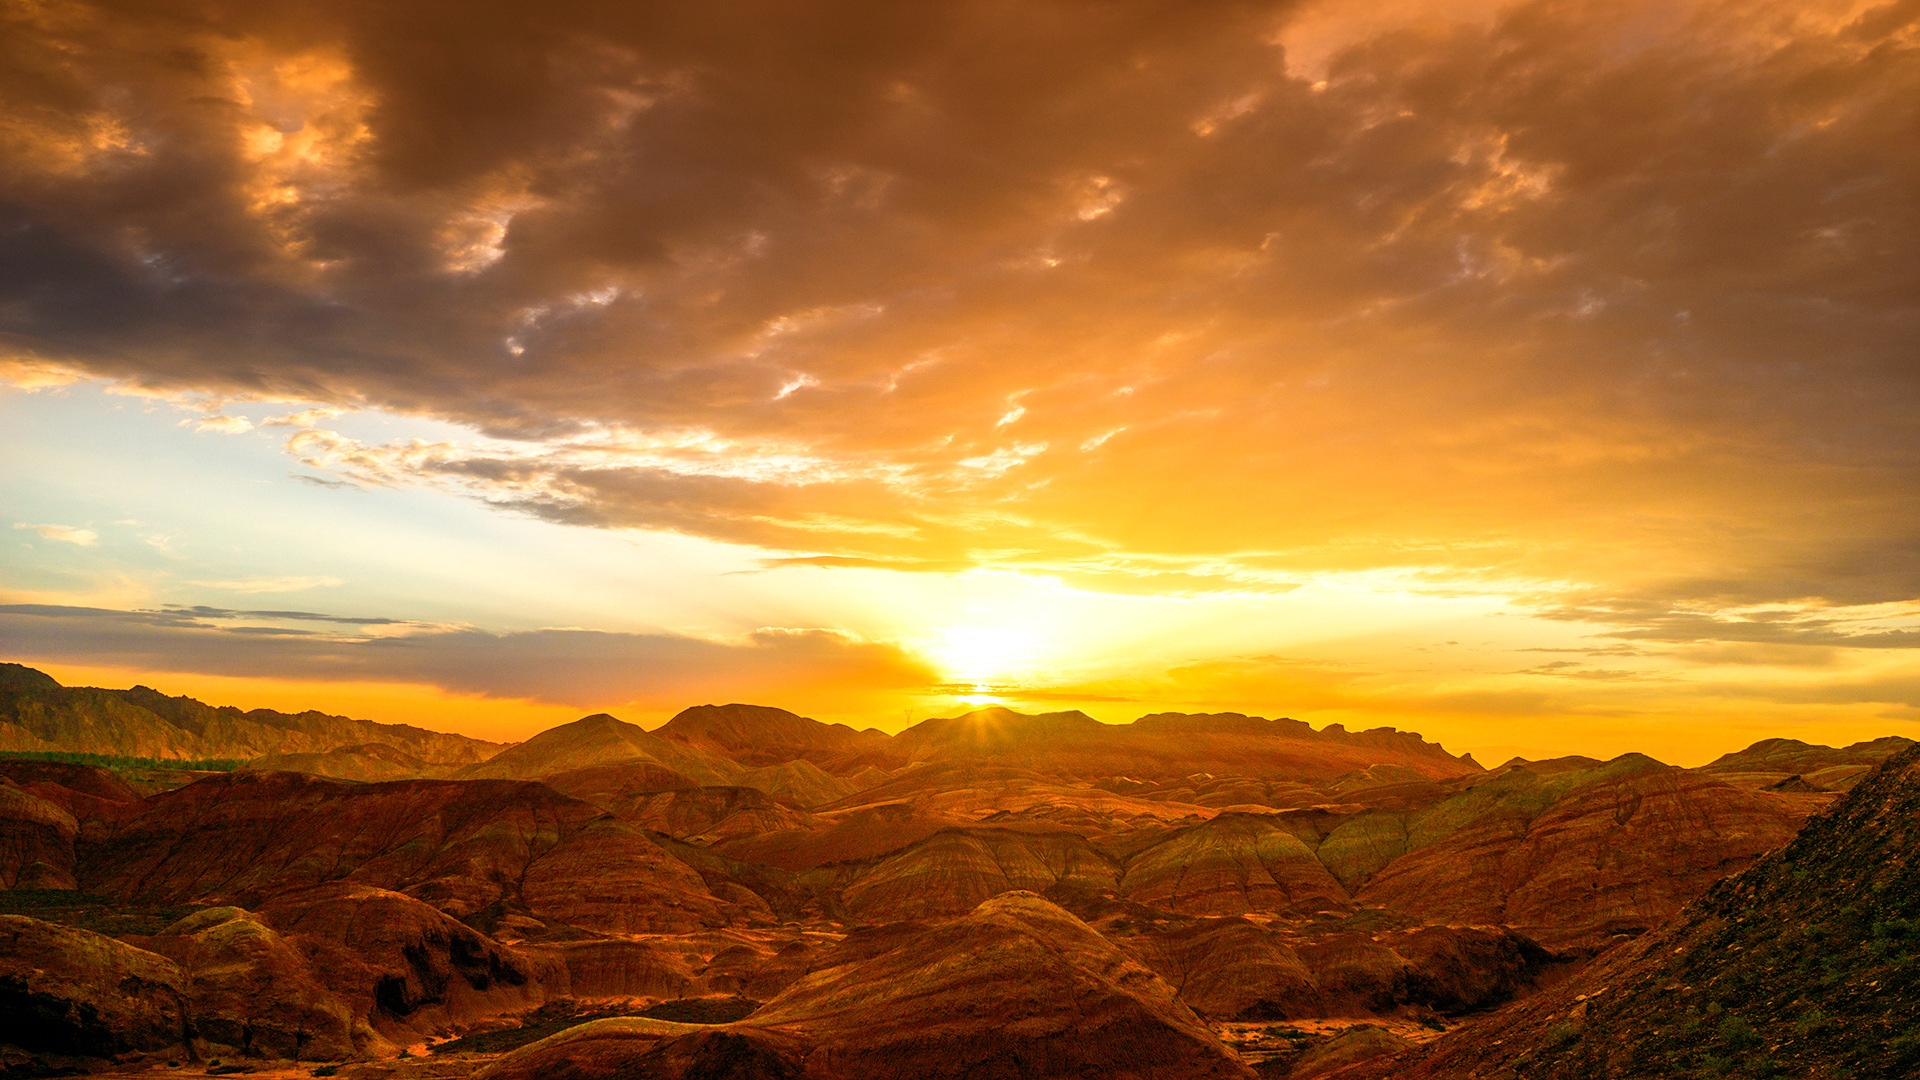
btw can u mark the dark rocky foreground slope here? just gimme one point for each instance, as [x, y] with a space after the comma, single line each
[1807, 964]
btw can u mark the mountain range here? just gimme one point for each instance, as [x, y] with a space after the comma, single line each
[38, 714]
[747, 892]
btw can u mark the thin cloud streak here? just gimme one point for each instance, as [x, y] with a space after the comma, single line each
[584, 668]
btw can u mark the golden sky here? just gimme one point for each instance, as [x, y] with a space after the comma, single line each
[1537, 376]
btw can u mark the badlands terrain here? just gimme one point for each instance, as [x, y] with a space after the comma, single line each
[745, 892]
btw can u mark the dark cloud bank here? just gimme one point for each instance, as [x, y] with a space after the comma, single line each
[584, 668]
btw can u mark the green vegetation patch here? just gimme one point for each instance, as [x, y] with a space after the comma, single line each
[118, 763]
[99, 914]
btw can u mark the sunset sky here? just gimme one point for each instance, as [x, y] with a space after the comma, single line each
[1541, 377]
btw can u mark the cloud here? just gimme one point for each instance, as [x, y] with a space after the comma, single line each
[224, 425]
[303, 418]
[24, 374]
[1615, 294]
[65, 534]
[272, 584]
[584, 668]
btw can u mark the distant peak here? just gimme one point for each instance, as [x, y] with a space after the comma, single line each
[597, 722]
[19, 677]
[1002, 714]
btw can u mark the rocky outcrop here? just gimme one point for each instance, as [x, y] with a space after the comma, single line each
[1231, 969]
[952, 872]
[1802, 965]
[609, 877]
[1172, 745]
[68, 991]
[755, 735]
[36, 841]
[368, 762]
[1575, 858]
[465, 848]
[255, 993]
[409, 970]
[85, 791]
[1018, 987]
[849, 836]
[623, 967]
[1234, 969]
[1352, 1046]
[599, 740]
[710, 813]
[638, 1048]
[799, 783]
[1232, 865]
[1769, 763]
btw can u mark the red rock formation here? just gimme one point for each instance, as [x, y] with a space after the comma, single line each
[1231, 969]
[953, 871]
[1231, 865]
[1578, 857]
[1170, 745]
[756, 735]
[1016, 988]
[67, 991]
[1802, 965]
[1769, 762]
[841, 837]
[409, 970]
[602, 740]
[710, 813]
[36, 841]
[461, 847]
[254, 993]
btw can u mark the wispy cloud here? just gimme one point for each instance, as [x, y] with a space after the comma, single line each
[575, 667]
[271, 584]
[65, 534]
[223, 425]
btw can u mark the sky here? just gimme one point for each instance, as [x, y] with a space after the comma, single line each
[1538, 376]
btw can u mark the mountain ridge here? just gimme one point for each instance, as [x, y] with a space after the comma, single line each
[38, 714]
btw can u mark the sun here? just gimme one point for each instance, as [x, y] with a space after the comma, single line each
[984, 657]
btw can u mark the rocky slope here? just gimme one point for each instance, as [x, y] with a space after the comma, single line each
[36, 841]
[1171, 745]
[505, 848]
[954, 871]
[1017, 987]
[1777, 764]
[1231, 865]
[67, 991]
[367, 762]
[1805, 964]
[1578, 856]
[599, 740]
[756, 735]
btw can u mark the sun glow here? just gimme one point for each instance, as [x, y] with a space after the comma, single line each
[984, 657]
